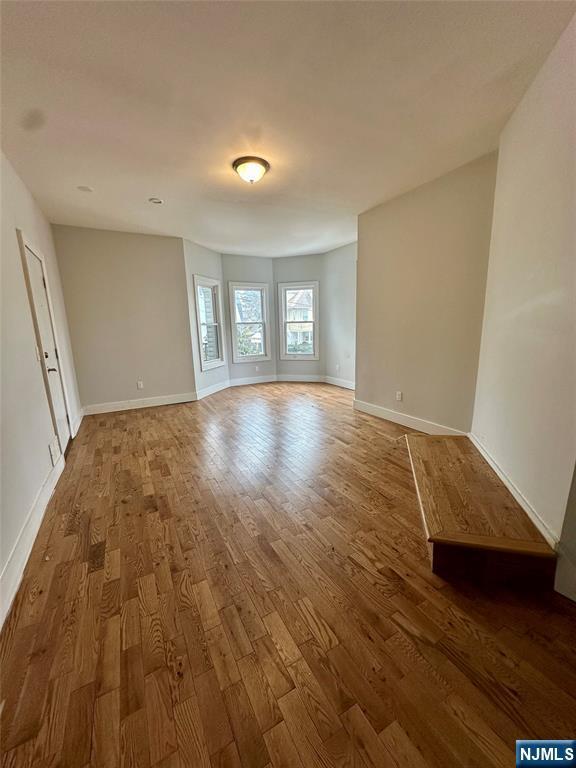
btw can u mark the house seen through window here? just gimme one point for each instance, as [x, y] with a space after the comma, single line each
[299, 320]
[249, 315]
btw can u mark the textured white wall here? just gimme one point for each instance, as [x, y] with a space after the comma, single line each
[338, 313]
[422, 261]
[128, 310]
[525, 411]
[27, 428]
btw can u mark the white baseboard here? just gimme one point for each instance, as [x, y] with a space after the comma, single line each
[11, 575]
[253, 380]
[187, 397]
[548, 534]
[144, 402]
[430, 427]
[205, 391]
[340, 382]
[77, 422]
[299, 377]
[293, 377]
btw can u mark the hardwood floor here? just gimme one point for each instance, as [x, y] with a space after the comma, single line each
[463, 500]
[471, 520]
[244, 581]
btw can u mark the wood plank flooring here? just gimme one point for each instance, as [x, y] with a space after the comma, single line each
[243, 582]
[465, 503]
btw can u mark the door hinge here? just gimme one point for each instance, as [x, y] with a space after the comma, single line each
[44, 282]
[56, 353]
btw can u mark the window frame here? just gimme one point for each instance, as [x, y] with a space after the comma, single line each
[282, 322]
[265, 322]
[215, 285]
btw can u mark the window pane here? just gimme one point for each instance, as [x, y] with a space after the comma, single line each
[300, 338]
[248, 305]
[250, 339]
[299, 304]
[206, 304]
[210, 346]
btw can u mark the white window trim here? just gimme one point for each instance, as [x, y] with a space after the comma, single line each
[284, 355]
[237, 358]
[210, 282]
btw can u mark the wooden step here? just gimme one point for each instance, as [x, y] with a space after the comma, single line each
[473, 523]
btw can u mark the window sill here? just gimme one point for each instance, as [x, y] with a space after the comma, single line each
[211, 365]
[301, 358]
[254, 359]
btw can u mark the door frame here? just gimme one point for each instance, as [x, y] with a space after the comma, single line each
[24, 243]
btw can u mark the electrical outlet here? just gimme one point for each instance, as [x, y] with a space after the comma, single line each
[337, 367]
[256, 368]
[140, 384]
[399, 396]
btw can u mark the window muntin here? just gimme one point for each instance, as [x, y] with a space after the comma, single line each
[208, 313]
[299, 321]
[249, 319]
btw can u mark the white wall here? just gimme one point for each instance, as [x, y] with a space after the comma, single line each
[128, 309]
[525, 411]
[336, 273]
[27, 477]
[422, 261]
[566, 570]
[202, 261]
[130, 302]
[338, 314]
[243, 269]
[132, 309]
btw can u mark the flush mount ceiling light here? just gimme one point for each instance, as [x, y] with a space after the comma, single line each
[251, 169]
[155, 200]
[84, 188]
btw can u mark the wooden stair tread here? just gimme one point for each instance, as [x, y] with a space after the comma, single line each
[463, 501]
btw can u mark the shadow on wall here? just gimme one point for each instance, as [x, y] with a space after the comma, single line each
[566, 572]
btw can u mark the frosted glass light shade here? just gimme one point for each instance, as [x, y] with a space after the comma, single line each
[251, 169]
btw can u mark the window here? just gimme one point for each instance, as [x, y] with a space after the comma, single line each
[249, 318]
[208, 314]
[298, 321]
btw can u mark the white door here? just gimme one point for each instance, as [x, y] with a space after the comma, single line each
[48, 349]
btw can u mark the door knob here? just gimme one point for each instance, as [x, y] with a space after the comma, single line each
[52, 370]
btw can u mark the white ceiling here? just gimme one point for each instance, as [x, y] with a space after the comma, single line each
[351, 102]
